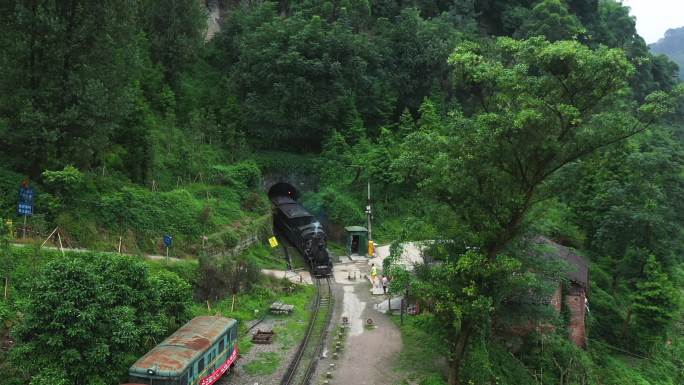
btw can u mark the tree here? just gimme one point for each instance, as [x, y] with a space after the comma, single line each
[175, 30]
[72, 68]
[672, 45]
[656, 303]
[529, 108]
[551, 19]
[91, 316]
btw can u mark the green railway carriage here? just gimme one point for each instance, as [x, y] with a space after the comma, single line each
[198, 353]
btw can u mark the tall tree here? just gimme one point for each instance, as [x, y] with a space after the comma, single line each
[175, 30]
[529, 108]
[69, 73]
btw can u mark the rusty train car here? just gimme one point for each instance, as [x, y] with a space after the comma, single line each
[199, 353]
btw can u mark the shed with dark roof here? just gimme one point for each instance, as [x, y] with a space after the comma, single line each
[579, 268]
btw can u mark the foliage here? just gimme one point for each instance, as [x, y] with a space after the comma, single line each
[419, 346]
[656, 303]
[91, 315]
[551, 19]
[671, 45]
[226, 274]
[245, 175]
[71, 96]
[336, 206]
[131, 126]
[532, 108]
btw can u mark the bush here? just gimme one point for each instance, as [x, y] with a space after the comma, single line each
[94, 314]
[152, 214]
[336, 206]
[9, 192]
[5, 314]
[244, 175]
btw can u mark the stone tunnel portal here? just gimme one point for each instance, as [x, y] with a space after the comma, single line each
[283, 189]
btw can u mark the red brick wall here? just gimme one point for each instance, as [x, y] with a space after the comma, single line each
[575, 301]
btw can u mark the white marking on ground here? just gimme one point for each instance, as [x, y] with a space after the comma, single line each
[353, 309]
[293, 276]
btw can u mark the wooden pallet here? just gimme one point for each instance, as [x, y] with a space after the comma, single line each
[281, 308]
[263, 337]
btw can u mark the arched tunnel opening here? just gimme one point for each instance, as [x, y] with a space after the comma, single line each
[283, 189]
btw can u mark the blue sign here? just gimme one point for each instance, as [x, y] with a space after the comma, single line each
[26, 195]
[168, 240]
[25, 207]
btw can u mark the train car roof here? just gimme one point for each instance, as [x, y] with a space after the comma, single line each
[185, 345]
[294, 210]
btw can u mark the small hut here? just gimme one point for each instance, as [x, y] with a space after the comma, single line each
[574, 294]
[357, 240]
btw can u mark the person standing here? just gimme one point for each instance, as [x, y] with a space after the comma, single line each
[385, 283]
[373, 274]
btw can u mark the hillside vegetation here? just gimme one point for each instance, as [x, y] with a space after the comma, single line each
[672, 45]
[480, 123]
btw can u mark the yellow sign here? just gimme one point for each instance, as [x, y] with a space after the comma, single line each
[371, 249]
[273, 241]
[10, 227]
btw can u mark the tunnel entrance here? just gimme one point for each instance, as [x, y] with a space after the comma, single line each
[283, 189]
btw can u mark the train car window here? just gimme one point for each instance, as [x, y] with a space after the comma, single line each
[184, 380]
[200, 365]
[221, 345]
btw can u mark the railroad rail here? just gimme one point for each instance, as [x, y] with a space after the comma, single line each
[302, 367]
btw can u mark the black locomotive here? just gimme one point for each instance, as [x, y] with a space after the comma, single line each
[303, 231]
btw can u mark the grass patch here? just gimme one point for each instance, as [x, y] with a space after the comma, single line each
[250, 306]
[267, 258]
[291, 332]
[265, 363]
[420, 346]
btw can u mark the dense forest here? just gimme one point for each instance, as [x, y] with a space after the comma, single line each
[672, 45]
[483, 123]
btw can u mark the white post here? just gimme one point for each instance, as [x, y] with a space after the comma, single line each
[49, 236]
[370, 230]
[59, 237]
[24, 231]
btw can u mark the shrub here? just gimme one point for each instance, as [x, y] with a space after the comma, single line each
[9, 187]
[244, 174]
[64, 183]
[92, 314]
[336, 206]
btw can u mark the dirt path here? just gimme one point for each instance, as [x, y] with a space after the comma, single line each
[370, 354]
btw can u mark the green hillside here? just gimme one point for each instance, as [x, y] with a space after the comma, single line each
[481, 124]
[672, 45]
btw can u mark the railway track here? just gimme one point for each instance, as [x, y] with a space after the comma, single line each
[302, 367]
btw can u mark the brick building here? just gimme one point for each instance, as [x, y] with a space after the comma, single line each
[573, 294]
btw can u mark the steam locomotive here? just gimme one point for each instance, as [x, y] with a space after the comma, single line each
[304, 232]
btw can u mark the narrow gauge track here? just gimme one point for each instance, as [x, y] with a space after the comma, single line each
[303, 365]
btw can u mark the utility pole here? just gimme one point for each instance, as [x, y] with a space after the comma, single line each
[370, 230]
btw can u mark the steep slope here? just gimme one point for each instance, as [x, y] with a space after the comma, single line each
[672, 45]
